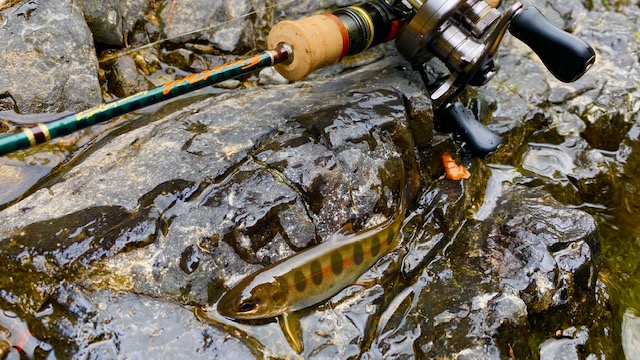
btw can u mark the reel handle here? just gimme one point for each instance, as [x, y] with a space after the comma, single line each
[477, 136]
[566, 56]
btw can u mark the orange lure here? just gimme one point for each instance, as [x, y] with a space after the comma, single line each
[452, 170]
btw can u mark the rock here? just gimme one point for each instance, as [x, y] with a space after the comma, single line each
[422, 125]
[180, 58]
[631, 334]
[17, 176]
[573, 163]
[229, 84]
[298, 9]
[134, 12]
[586, 141]
[125, 79]
[567, 347]
[7, 103]
[601, 105]
[103, 326]
[144, 230]
[210, 199]
[530, 256]
[104, 19]
[270, 76]
[48, 62]
[190, 15]
[16, 339]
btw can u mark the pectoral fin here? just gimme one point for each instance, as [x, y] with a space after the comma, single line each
[290, 325]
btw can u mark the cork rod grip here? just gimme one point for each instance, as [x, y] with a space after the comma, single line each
[316, 42]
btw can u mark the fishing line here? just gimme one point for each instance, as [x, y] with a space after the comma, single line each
[158, 42]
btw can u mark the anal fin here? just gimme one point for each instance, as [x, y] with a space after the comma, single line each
[290, 325]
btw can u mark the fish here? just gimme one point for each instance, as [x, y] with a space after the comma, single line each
[311, 276]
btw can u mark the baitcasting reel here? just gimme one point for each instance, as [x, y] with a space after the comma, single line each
[464, 35]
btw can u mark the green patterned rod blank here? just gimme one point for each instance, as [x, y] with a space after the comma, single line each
[40, 133]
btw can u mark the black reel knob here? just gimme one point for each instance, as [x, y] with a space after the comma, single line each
[480, 140]
[566, 56]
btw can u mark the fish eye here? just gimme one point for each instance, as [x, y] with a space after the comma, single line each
[248, 304]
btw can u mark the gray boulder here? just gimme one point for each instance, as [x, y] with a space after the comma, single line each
[221, 198]
[478, 287]
[47, 59]
[104, 18]
[226, 18]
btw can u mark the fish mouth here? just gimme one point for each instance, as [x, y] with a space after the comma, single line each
[240, 316]
[222, 311]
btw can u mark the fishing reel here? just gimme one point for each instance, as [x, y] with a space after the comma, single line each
[464, 35]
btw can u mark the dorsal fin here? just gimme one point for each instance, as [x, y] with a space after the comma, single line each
[346, 229]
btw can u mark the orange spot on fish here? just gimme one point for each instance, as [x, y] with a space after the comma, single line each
[452, 170]
[324, 271]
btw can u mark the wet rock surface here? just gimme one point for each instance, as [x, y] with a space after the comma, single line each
[572, 140]
[478, 287]
[182, 334]
[124, 248]
[124, 78]
[227, 196]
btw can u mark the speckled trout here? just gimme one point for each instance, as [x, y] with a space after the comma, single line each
[311, 276]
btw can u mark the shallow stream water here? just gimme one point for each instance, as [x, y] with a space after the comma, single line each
[615, 205]
[619, 226]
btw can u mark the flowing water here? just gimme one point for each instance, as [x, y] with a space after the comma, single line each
[615, 205]
[620, 232]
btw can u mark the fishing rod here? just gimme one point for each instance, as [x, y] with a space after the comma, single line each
[463, 34]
